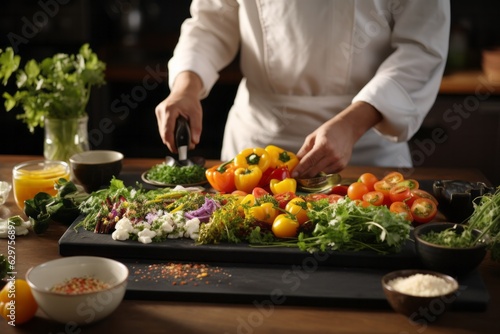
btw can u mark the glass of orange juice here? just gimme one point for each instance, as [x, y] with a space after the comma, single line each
[32, 177]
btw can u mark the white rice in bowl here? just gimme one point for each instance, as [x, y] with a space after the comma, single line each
[422, 285]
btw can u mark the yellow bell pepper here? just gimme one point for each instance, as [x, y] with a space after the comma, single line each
[266, 212]
[247, 178]
[298, 208]
[253, 157]
[283, 186]
[245, 203]
[280, 157]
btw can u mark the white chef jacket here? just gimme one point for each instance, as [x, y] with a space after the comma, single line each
[303, 61]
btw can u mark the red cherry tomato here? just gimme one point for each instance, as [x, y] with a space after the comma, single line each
[399, 193]
[374, 198]
[258, 192]
[356, 190]
[339, 189]
[334, 198]
[284, 198]
[423, 210]
[401, 207]
[368, 179]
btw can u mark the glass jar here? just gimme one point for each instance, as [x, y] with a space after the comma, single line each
[65, 137]
[31, 177]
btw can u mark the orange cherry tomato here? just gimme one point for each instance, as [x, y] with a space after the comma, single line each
[419, 193]
[25, 306]
[393, 177]
[410, 183]
[368, 179]
[401, 207]
[258, 192]
[356, 190]
[384, 187]
[423, 210]
[374, 198]
[399, 193]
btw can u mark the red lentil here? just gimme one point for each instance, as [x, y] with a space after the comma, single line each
[79, 285]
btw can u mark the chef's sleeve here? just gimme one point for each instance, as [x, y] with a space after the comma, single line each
[208, 42]
[406, 84]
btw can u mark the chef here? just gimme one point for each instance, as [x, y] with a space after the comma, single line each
[339, 82]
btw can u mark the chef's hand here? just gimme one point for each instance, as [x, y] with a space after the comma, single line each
[329, 148]
[183, 100]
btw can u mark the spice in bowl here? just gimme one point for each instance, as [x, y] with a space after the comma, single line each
[79, 285]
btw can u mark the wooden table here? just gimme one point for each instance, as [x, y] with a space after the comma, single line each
[143, 316]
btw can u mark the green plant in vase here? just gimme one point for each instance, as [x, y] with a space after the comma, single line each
[54, 94]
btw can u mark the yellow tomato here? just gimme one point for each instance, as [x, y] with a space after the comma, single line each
[17, 303]
[285, 226]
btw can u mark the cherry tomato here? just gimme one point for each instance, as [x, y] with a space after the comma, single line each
[315, 197]
[401, 207]
[356, 190]
[368, 179]
[399, 193]
[258, 192]
[419, 193]
[333, 198]
[363, 203]
[19, 292]
[285, 226]
[410, 183]
[384, 187]
[239, 193]
[284, 198]
[374, 198]
[393, 177]
[298, 207]
[339, 189]
[423, 210]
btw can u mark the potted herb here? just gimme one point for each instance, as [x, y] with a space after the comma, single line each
[54, 94]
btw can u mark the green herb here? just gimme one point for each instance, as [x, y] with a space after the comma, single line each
[57, 87]
[346, 226]
[43, 209]
[485, 218]
[167, 174]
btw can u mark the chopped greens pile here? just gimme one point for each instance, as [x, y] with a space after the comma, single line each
[164, 173]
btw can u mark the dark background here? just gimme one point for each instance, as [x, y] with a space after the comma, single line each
[132, 52]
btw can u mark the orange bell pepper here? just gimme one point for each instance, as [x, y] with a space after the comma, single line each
[221, 177]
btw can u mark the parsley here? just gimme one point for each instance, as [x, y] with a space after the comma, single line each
[167, 174]
[57, 87]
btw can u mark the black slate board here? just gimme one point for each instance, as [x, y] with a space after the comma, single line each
[82, 242]
[263, 277]
[269, 285]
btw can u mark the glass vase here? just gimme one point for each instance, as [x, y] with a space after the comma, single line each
[65, 137]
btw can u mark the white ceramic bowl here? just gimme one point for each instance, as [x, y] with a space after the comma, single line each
[80, 309]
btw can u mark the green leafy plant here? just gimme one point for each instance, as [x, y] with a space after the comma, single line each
[57, 87]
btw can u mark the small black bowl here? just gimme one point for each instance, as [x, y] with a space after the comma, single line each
[95, 169]
[449, 260]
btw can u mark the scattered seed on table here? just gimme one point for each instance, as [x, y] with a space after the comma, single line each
[179, 273]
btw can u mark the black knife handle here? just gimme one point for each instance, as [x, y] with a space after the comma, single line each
[182, 132]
